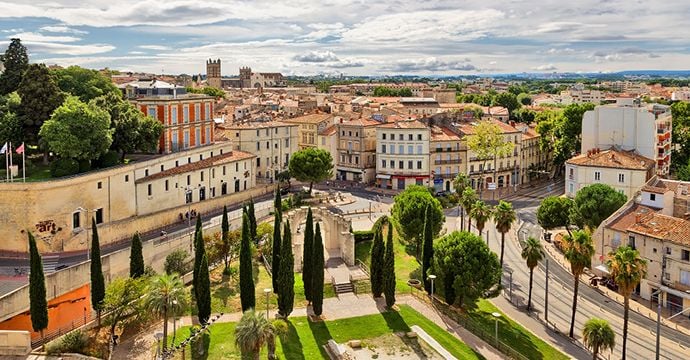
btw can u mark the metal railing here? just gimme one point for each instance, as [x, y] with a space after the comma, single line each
[363, 266]
[56, 333]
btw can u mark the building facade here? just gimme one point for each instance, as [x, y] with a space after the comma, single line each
[309, 128]
[447, 157]
[356, 152]
[402, 155]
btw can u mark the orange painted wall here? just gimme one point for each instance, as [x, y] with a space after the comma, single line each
[61, 312]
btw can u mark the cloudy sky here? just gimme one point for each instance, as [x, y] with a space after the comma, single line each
[354, 37]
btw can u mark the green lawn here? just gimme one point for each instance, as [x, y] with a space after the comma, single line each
[305, 339]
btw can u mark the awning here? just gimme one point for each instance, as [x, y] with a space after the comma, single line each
[603, 269]
[675, 292]
[382, 176]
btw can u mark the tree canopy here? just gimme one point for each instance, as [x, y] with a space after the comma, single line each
[312, 165]
[40, 96]
[86, 84]
[408, 214]
[596, 202]
[562, 131]
[488, 142]
[554, 211]
[507, 100]
[78, 131]
[15, 61]
[11, 124]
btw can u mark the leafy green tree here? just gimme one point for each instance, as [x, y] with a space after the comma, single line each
[627, 270]
[389, 270]
[208, 90]
[488, 143]
[97, 282]
[122, 300]
[11, 123]
[596, 202]
[481, 213]
[597, 335]
[524, 99]
[38, 303]
[507, 100]
[680, 136]
[312, 165]
[252, 220]
[252, 332]
[427, 249]
[136, 258]
[225, 237]
[165, 295]
[578, 249]
[561, 131]
[460, 183]
[317, 275]
[307, 256]
[203, 292]
[504, 217]
[16, 61]
[175, 262]
[40, 97]
[376, 268]
[683, 172]
[247, 295]
[554, 211]
[408, 214]
[468, 198]
[466, 268]
[532, 253]
[86, 84]
[78, 131]
[286, 274]
[525, 115]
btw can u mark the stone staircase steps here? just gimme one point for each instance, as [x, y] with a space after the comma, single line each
[344, 288]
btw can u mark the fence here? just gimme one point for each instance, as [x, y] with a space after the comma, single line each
[54, 334]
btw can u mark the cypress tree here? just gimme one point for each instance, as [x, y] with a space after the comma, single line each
[16, 62]
[38, 304]
[308, 255]
[389, 270]
[376, 269]
[203, 292]
[317, 275]
[199, 252]
[247, 296]
[286, 274]
[276, 248]
[136, 258]
[252, 220]
[427, 249]
[97, 282]
[225, 236]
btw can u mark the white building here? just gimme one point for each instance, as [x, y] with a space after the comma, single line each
[646, 129]
[624, 171]
[402, 154]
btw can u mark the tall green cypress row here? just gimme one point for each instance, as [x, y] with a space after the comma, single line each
[38, 304]
[286, 275]
[136, 258]
[376, 268]
[203, 292]
[225, 237]
[308, 255]
[247, 296]
[317, 275]
[199, 252]
[252, 220]
[427, 249]
[97, 282]
[389, 270]
[276, 248]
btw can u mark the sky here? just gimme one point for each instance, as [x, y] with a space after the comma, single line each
[354, 37]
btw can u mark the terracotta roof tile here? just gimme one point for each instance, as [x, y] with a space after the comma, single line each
[228, 157]
[614, 159]
[310, 119]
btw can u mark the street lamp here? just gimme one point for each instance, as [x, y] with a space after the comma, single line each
[658, 320]
[432, 278]
[496, 315]
[267, 291]
[158, 337]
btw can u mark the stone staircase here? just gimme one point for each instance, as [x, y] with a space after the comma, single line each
[343, 288]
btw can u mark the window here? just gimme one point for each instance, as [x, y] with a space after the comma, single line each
[146, 172]
[631, 242]
[175, 145]
[99, 216]
[383, 149]
[189, 180]
[392, 136]
[126, 178]
[621, 178]
[287, 142]
[570, 188]
[391, 147]
[149, 189]
[419, 149]
[401, 149]
[409, 137]
[392, 164]
[401, 164]
[100, 185]
[258, 162]
[202, 176]
[652, 197]
[185, 142]
[207, 107]
[384, 136]
[400, 137]
[162, 168]
[685, 255]
[76, 217]
[684, 277]
[410, 149]
[668, 251]
[166, 185]
[383, 164]
[409, 164]
[151, 109]
[189, 160]
[173, 115]
[208, 135]
[419, 137]
[597, 176]
[197, 112]
[197, 135]
[185, 113]
[419, 165]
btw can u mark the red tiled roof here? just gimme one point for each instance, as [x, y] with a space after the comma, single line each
[228, 157]
[414, 124]
[613, 159]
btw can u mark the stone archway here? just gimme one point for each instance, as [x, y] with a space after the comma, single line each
[338, 242]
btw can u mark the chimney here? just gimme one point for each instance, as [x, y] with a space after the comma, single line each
[637, 218]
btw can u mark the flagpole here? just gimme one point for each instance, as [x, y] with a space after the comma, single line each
[7, 165]
[10, 152]
[23, 163]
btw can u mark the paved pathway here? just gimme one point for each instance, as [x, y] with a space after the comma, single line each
[142, 346]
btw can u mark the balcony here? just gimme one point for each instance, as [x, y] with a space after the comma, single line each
[443, 162]
[680, 286]
[446, 176]
[438, 150]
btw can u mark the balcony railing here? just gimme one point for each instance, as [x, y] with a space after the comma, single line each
[446, 149]
[453, 161]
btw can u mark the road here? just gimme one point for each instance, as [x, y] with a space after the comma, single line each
[591, 303]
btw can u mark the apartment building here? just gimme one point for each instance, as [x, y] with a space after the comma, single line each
[534, 162]
[356, 152]
[327, 139]
[656, 222]
[625, 171]
[402, 154]
[447, 157]
[646, 129]
[272, 142]
[309, 128]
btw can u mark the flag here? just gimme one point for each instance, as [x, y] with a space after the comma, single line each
[20, 150]
[4, 149]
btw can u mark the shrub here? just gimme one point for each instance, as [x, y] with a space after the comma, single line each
[84, 165]
[176, 262]
[73, 342]
[111, 158]
[363, 235]
[64, 167]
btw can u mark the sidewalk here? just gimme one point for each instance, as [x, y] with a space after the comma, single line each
[142, 346]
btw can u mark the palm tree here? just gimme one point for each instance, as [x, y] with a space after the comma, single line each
[598, 335]
[461, 182]
[532, 252]
[467, 199]
[578, 250]
[504, 217]
[280, 329]
[252, 332]
[166, 295]
[481, 213]
[627, 269]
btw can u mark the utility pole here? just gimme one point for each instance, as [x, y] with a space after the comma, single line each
[546, 295]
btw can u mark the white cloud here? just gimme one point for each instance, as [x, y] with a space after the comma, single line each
[430, 64]
[68, 49]
[62, 29]
[32, 36]
[316, 57]
[155, 47]
[545, 67]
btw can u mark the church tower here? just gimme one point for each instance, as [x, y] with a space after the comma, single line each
[213, 73]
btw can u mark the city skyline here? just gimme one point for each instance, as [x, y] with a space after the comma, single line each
[354, 38]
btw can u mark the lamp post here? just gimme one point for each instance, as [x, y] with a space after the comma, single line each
[267, 291]
[432, 278]
[158, 337]
[658, 321]
[496, 315]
